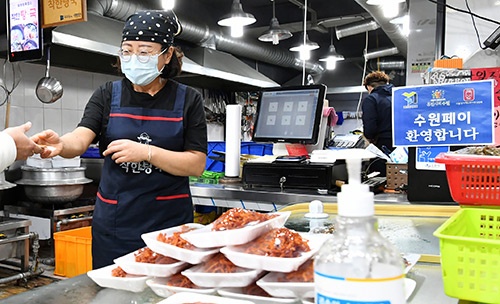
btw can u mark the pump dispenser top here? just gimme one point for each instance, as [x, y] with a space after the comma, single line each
[316, 210]
[355, 199]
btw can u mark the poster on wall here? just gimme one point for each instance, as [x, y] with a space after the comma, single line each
[25, 35]
[491, 73]
[455, 114]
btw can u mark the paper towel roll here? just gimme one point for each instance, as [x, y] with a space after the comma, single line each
[233, 140]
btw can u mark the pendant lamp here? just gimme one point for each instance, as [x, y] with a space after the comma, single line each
[275, 33]
[307, 45]
[390, 8]
[236, 19]
[332, 56]
[305, 49]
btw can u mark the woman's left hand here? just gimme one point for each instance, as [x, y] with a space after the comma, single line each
[125, 150]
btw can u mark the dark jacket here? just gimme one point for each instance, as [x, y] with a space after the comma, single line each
[377, 113]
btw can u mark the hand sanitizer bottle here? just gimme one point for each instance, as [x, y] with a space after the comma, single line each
[357, 265]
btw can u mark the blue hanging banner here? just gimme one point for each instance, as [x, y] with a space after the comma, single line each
[453, 114]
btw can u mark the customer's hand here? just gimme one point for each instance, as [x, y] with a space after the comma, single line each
[25, 146]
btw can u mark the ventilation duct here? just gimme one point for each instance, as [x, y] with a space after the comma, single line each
[200, 34]
[356, 28]
[392, 65]
[381, 53]
[391, 30]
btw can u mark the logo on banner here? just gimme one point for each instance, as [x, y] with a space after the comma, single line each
[411, 99]
[469, 94]
[438, 94]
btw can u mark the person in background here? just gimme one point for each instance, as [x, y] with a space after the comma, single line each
[377, 116]
[152, 133]
[15, 145]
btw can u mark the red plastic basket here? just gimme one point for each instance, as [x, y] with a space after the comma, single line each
[473, 179]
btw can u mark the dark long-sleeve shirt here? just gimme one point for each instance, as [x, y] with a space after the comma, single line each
[377, 113]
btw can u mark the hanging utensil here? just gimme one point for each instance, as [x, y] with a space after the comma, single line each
[5, 93]
[48, 89]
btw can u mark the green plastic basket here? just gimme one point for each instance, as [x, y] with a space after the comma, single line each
[470, 254]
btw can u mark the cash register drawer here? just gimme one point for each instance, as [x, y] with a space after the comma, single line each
[304, 176]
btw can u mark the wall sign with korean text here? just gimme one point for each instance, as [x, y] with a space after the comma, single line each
[60, 12]
[443, 114]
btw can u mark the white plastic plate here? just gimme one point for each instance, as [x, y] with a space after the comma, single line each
[160, 288]
[237, 293]
[206, 238]
[191, 297]
[412, 259]
[305, 289]
[276, 288]
[195, 256]
[103, 278]
[129, 265]
[205, 279]
[277, 264]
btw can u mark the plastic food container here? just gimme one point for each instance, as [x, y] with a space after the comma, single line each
[104, 278]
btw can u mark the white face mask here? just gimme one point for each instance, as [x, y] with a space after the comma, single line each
[140, 73]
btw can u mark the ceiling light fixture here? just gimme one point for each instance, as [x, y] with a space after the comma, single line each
[168, 4]
[236, 19]
[332, 56]
[305, 48]
[390, 8]
[356, 28]
[307, 45]
[275, 33]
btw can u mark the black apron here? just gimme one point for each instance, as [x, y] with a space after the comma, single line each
[136, 198]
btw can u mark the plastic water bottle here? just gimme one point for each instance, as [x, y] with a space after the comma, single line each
[357, 265]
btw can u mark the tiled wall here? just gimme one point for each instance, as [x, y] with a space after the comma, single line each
[61, 116]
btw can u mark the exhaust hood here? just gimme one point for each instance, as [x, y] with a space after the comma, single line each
[207, 68]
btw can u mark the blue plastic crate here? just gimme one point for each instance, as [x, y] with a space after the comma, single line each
[246, 148]
[92, 152]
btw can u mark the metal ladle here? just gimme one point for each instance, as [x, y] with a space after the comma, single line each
[48, 89]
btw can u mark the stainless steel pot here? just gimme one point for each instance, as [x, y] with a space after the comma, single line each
[53, 194]
[52, 186]
[48, 89]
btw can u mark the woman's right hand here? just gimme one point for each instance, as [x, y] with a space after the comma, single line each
[50, 142]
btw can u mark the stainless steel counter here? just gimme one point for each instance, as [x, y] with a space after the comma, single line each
[82, 290]
[268, 199]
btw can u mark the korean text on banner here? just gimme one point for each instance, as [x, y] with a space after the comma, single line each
[444, 115]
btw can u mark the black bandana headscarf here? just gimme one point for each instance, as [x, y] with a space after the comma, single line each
[152, 26]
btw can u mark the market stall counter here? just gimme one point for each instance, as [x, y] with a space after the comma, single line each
[410, 227]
